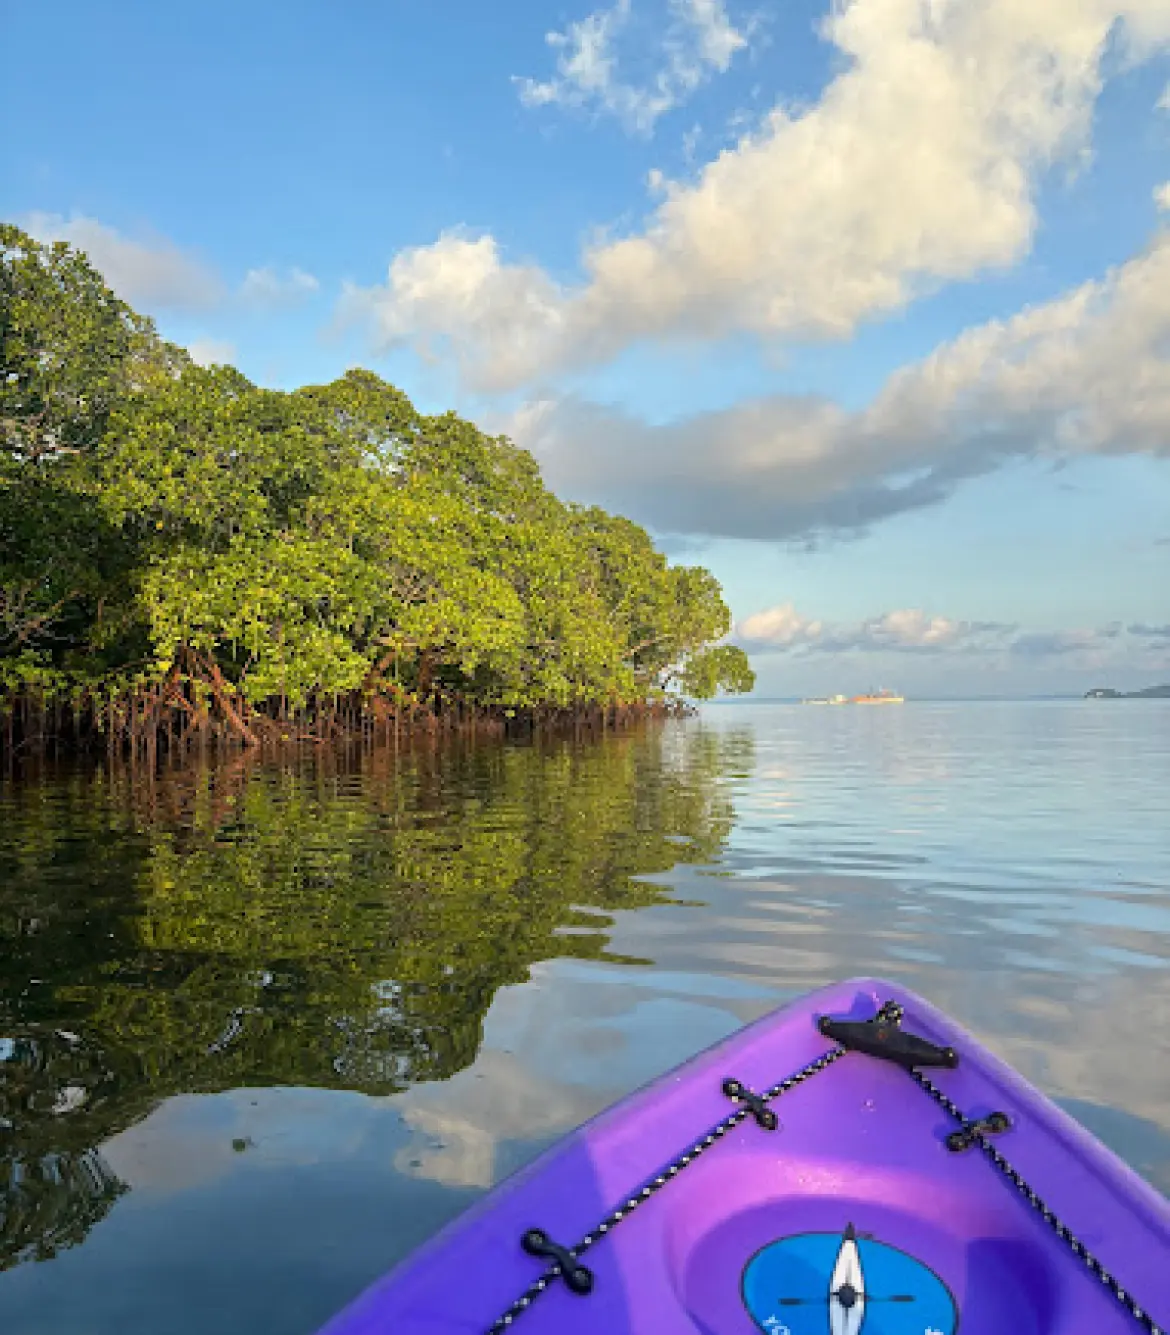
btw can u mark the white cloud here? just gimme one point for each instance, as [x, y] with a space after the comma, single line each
[915, 168]
[1087, 372]
[212, 351]
[267, 288]
[151, 273]
[717, 38]
[783, 628]
[916, 631]
[585, 67]
[459, 284]
[1162, 196]
[779, 627]
[699, 39]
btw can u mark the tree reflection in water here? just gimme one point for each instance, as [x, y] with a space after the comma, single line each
[54, 1186]
[334, 921]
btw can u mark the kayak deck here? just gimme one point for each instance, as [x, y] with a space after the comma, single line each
[782, 1182]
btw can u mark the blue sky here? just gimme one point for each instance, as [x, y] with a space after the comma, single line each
[866, 306]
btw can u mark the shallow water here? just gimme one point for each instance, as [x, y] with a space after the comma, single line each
[264, 1029]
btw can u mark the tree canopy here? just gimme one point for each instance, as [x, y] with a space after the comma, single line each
[173, 528]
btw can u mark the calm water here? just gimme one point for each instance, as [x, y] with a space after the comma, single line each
[262, 1030]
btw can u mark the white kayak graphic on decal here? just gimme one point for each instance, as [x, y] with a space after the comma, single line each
[847, 1289]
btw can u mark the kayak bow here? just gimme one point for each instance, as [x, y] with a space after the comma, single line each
[806, 1176]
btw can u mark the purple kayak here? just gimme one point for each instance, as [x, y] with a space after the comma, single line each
[852, 1164]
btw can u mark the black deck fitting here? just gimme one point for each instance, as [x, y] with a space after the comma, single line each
[969, 1133]
[578, 1278]
[737, 1090]
[883, 1038]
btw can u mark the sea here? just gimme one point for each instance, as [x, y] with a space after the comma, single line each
[267, 1024]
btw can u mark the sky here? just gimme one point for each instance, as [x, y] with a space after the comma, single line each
[862, 304]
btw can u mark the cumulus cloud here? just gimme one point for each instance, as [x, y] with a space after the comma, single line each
[779, 627]
[267, 288]
[1162, 196]
[699, 40]
[916, 167]
[914, 631]
[212, 351]
[458, 284]
[1086, 373]
[151, 273]
[783, 629]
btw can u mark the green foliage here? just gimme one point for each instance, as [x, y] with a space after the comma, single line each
[156, 515]
[66, 343]
[721, 667]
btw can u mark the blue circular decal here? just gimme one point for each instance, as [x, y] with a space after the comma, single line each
[844, 1284]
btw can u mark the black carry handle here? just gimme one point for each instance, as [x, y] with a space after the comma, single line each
[882, 1038]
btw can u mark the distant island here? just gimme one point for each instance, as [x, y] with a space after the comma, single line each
[1150, 693]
